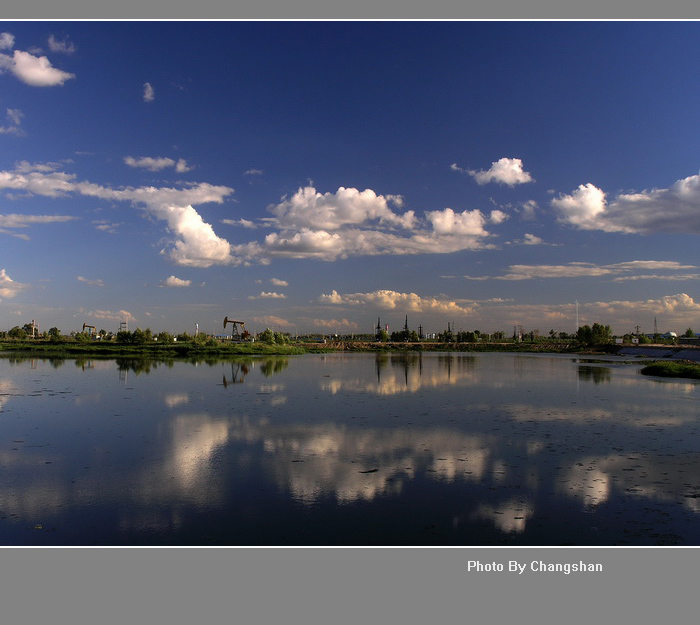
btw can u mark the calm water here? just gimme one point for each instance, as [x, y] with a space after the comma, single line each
[347, 449]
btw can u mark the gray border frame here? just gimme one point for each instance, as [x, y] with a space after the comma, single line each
[265, 586]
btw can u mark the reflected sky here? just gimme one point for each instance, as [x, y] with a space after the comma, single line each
[375, 449]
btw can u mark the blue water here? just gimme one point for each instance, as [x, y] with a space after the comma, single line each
[347, 449]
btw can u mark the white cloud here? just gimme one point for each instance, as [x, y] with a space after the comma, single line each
[157, 163]
[584, 270]
[527, 210]
[391, 300]
[676, 311]
[8, 287]
[196, 244]
[278, 282]
[14, 119]
[35, 71]
[98, 282]
[334, 324]
[64, 46]
[253, 172]
[14, 220]
[25, 167]
[508, 171]
[149, 93]
[172, 281]
[360, 223]
[583, 208]
[679, 278]
[265, 295]
[109, 315]
[330, 211]
[675, 209]
[466, 223]
[7, 41]
[531, 239]
[106, 226]
[271, 321]
[243, 223]
[497, 216]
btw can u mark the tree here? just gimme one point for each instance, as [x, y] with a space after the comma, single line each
[165, 337]
[124, 336]
[17, 333]
[54, 334]
[596, 335]
[689, 333]
[268, 336]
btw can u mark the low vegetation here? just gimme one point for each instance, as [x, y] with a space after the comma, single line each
[670, 369]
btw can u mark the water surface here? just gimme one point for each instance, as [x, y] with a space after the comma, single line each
[347, 449]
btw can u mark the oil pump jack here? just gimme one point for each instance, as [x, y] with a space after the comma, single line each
[92, 330]
[235, 335]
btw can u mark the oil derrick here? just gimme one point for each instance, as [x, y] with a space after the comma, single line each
[234, 330]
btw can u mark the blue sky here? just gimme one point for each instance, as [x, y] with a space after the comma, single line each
[316, 176]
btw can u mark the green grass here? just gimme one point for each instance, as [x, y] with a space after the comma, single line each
[150, 350]
[668, 369]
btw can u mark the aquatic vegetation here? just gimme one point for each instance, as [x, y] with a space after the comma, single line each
[669, 369]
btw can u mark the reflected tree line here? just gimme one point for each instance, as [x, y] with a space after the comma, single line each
[240, 365]
[410, 362]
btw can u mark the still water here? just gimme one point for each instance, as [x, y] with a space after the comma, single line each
[347, 449]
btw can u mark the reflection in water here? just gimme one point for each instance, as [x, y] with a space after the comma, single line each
[238, 372]
[339, 449]
[598, 375]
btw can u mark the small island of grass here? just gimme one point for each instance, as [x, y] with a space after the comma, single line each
[669, 369]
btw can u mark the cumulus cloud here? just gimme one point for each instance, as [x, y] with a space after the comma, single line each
[677, 311]
[278, 282]
[391, 300]
[8, 287]
[469, 223]
[508, 171]
[196, 244]
[158, 163]
[583, 208]
[309, 225]
[328, 226]
[308, 208]
[172, 281]
[35, 71]
[149, 93]
[675, 209]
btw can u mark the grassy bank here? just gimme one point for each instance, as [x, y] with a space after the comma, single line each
[106, 349]
[150, 350]
[669, 369]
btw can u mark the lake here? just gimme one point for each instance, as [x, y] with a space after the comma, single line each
[416, 449]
